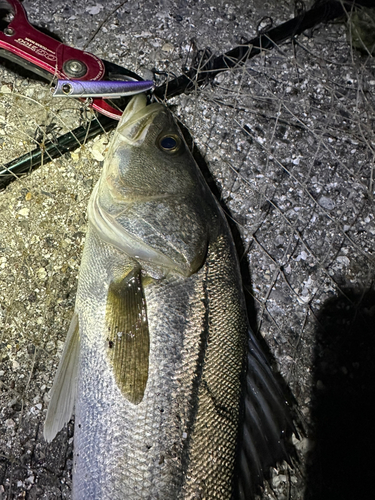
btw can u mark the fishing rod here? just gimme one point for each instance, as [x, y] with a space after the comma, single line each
[196, 76]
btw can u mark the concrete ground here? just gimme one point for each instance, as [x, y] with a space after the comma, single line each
[289, 142]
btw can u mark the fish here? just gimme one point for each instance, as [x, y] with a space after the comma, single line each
[172, 393]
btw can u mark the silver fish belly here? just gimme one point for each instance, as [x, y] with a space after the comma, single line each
[168, 386]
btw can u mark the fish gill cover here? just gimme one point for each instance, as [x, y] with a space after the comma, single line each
[288, 139]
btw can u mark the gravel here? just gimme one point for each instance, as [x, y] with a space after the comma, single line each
[289, 144]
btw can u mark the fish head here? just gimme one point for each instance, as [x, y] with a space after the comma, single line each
[149, 157]
[157, 206]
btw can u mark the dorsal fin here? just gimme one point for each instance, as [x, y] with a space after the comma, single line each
[264, 440]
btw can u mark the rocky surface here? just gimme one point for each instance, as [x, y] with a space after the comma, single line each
[288, 140]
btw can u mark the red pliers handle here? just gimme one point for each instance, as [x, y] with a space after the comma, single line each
[25, 45]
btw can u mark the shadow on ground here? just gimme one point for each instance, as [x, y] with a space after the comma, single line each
[340, 465]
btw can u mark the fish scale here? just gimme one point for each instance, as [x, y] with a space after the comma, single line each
[170, 387]
[214, 438]
[134, 429]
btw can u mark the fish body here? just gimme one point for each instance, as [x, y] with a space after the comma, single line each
[171, 390]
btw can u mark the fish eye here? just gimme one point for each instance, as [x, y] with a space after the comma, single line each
[169, 143]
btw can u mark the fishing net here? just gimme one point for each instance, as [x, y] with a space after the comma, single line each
[288, 142]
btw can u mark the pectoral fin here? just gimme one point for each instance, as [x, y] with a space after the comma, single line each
[63, 392]
[127, 335]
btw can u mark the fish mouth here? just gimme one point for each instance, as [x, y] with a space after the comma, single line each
[136, 119]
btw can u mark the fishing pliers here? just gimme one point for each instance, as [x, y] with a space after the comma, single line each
[84, 75]
[76, 73]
